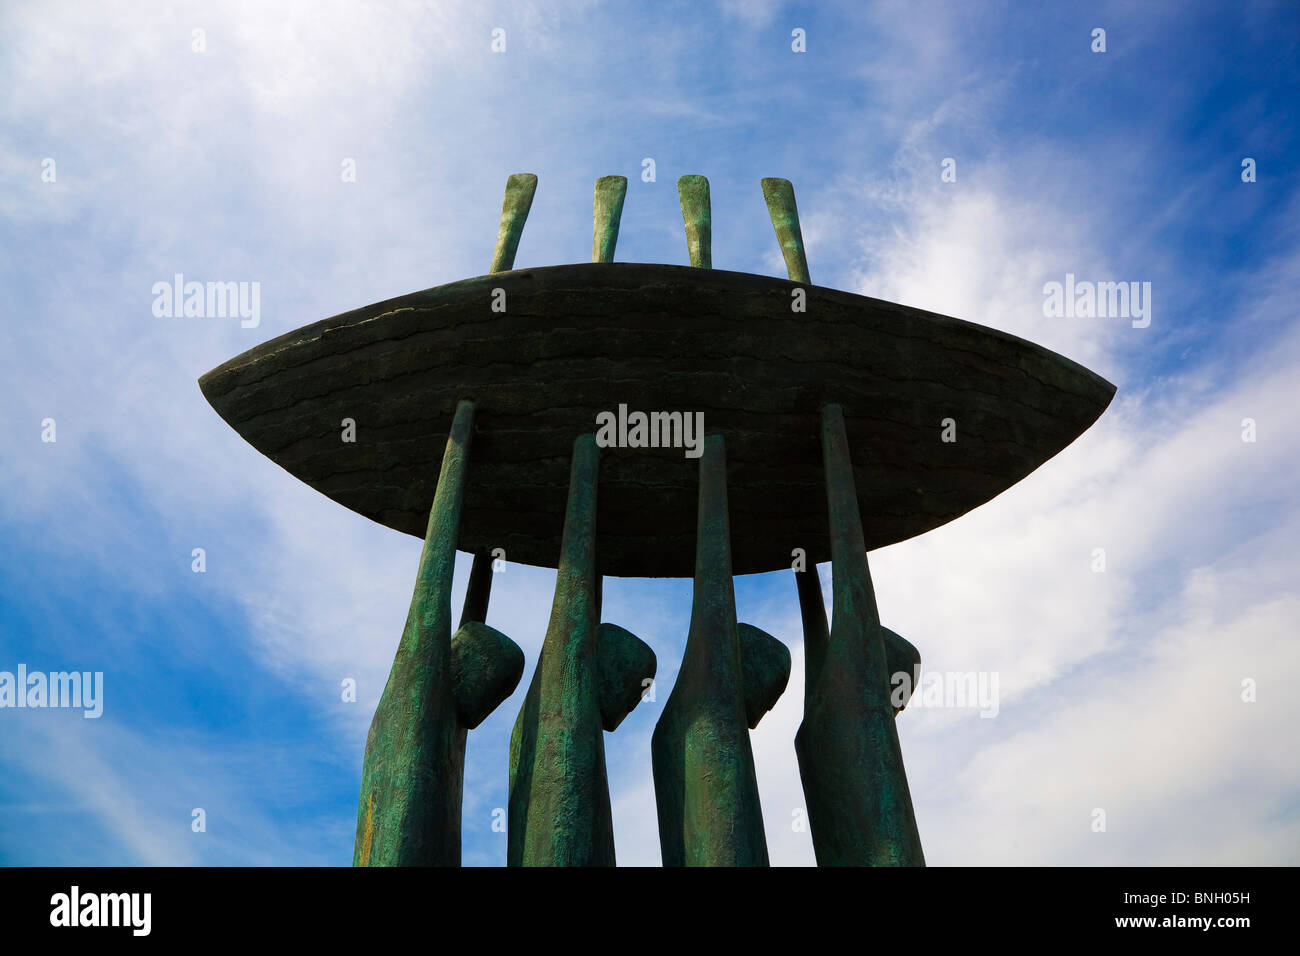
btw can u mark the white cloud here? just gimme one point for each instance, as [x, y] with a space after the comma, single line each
[1119, 690]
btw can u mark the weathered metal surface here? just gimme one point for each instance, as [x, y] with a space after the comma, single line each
[514, 213]
[486, 667]
[559, 813]
[479, 590]
[627, 667]
[901, 657]
[816, 630]
[607, 211]
[850, 761]
[543, 354]
[693, 193]
[705, 785]
[579, 339]
[779, 195]
[413, 772]
[765, 671]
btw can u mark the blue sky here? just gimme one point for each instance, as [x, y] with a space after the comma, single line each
[1119, 691]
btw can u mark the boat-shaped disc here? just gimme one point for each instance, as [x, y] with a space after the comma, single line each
[577, 340]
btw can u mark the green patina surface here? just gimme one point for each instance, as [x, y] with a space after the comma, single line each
[626, 665]
[440, 686]
[478, 591]
[412, 775]
[816, 630]
[693, 191]
[581, 338]
[559, 813]
[705, 785]
[520, 188]
[779, 194]
[607, 211]
[859, 805]
[901, 657]
[661, 333]
[486, 667]
[764, 669]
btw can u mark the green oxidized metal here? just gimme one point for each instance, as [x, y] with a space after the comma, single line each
[705, 785]
[559, 800]
[475, 406]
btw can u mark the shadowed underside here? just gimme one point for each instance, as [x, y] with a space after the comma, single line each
[576, 340]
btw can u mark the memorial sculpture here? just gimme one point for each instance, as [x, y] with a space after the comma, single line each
[482, 414]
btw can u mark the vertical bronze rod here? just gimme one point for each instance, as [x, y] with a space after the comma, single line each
[479, 591]
[520, 188]
[559, 796]
[779, 194]
[607, 211]
[413, 772]
[693, 192]
[816, 631]
[850, 761]
[705, 784]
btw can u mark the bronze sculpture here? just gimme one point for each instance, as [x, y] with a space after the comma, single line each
[822, 412]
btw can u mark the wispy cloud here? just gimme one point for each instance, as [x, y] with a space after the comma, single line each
[1121, 690]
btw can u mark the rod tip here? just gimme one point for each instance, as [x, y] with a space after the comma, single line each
[773, 185]
[607, 211]
[693, 191]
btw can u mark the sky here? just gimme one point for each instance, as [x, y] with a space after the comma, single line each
[1135, 597]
